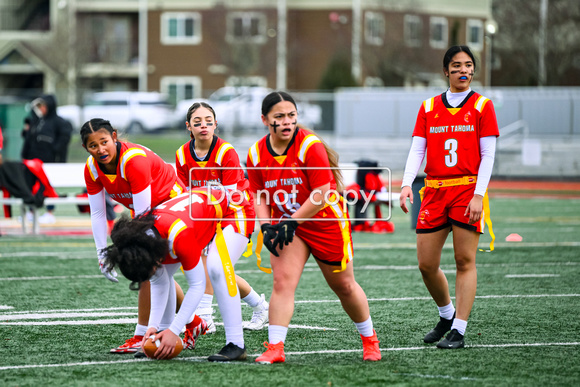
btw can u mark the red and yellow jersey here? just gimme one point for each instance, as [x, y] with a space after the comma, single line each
[137, 168]
[289, 188]
[221, 165]
[453, 134]
[189, 222]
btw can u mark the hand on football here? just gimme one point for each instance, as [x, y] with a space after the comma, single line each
[269, 232]
[168, 341]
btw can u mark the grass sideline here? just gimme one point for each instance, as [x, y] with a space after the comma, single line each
[59, 317]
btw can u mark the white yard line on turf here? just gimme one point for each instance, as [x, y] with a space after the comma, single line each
[376, 246]
[23, 315]
[50, 278]
[40, 316]
[304, 353]
[531, 275]
[449, 268]
[357, 246]
[59, 254]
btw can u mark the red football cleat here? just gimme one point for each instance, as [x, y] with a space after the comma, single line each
[193, 330]
[131, 345]
[274, 354]
[371, 351]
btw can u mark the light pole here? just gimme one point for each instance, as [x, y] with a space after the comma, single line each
[490, 29]
[542, 43]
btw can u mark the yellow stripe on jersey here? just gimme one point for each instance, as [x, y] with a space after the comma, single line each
[222, 151]
[180, 153]
[128, 155]
[453, 111]
[480, 103]
[240, 217]
[213, 201]
[428, 104]
[345, 231]
[306, 144]
[177, 227]
[176, 190]
[254, 155]
[92, 168]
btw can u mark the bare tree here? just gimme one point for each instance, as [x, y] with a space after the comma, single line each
[516, 43]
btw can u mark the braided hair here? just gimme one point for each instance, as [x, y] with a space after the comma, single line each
[137, 248]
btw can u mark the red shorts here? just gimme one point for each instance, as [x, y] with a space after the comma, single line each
[443, 207]
[329, 240]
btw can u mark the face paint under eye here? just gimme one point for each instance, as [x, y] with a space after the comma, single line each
[295, 122]
[197, 125]
[274, 126]
[210, 124]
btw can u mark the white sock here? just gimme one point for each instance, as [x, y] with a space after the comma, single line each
[253, 299]
[460, 325]
[277, 333]
[446, 311]
[206, 301]
[365, 328]
[140, 330]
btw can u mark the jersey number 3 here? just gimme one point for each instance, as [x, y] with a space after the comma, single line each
[451, 157]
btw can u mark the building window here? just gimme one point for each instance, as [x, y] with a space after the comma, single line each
[253, 81]
[181, 88]
[374, 28]
[475, 34]
[180, 28]
[413, 30]
[438, 35]
[246, 27]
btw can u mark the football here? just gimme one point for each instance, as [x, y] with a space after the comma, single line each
[152, 343]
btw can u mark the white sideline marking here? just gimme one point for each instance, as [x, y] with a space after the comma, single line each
[198, 358]
[531, 275]
[6, 307]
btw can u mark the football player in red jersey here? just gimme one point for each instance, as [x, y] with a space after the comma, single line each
[207, 159]
[310, 218]
[459, 130]
[153, 246]
[135, 177]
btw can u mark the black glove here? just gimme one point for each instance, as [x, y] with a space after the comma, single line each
[285, 235]
[269, 232]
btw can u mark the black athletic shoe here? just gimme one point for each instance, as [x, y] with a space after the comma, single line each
[230, 352]
[454, 340]
[442, 327]
[139, 354]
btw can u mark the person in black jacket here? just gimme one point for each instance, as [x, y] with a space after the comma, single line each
[46, 137]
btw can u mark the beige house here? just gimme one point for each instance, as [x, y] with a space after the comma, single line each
[188, 48]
